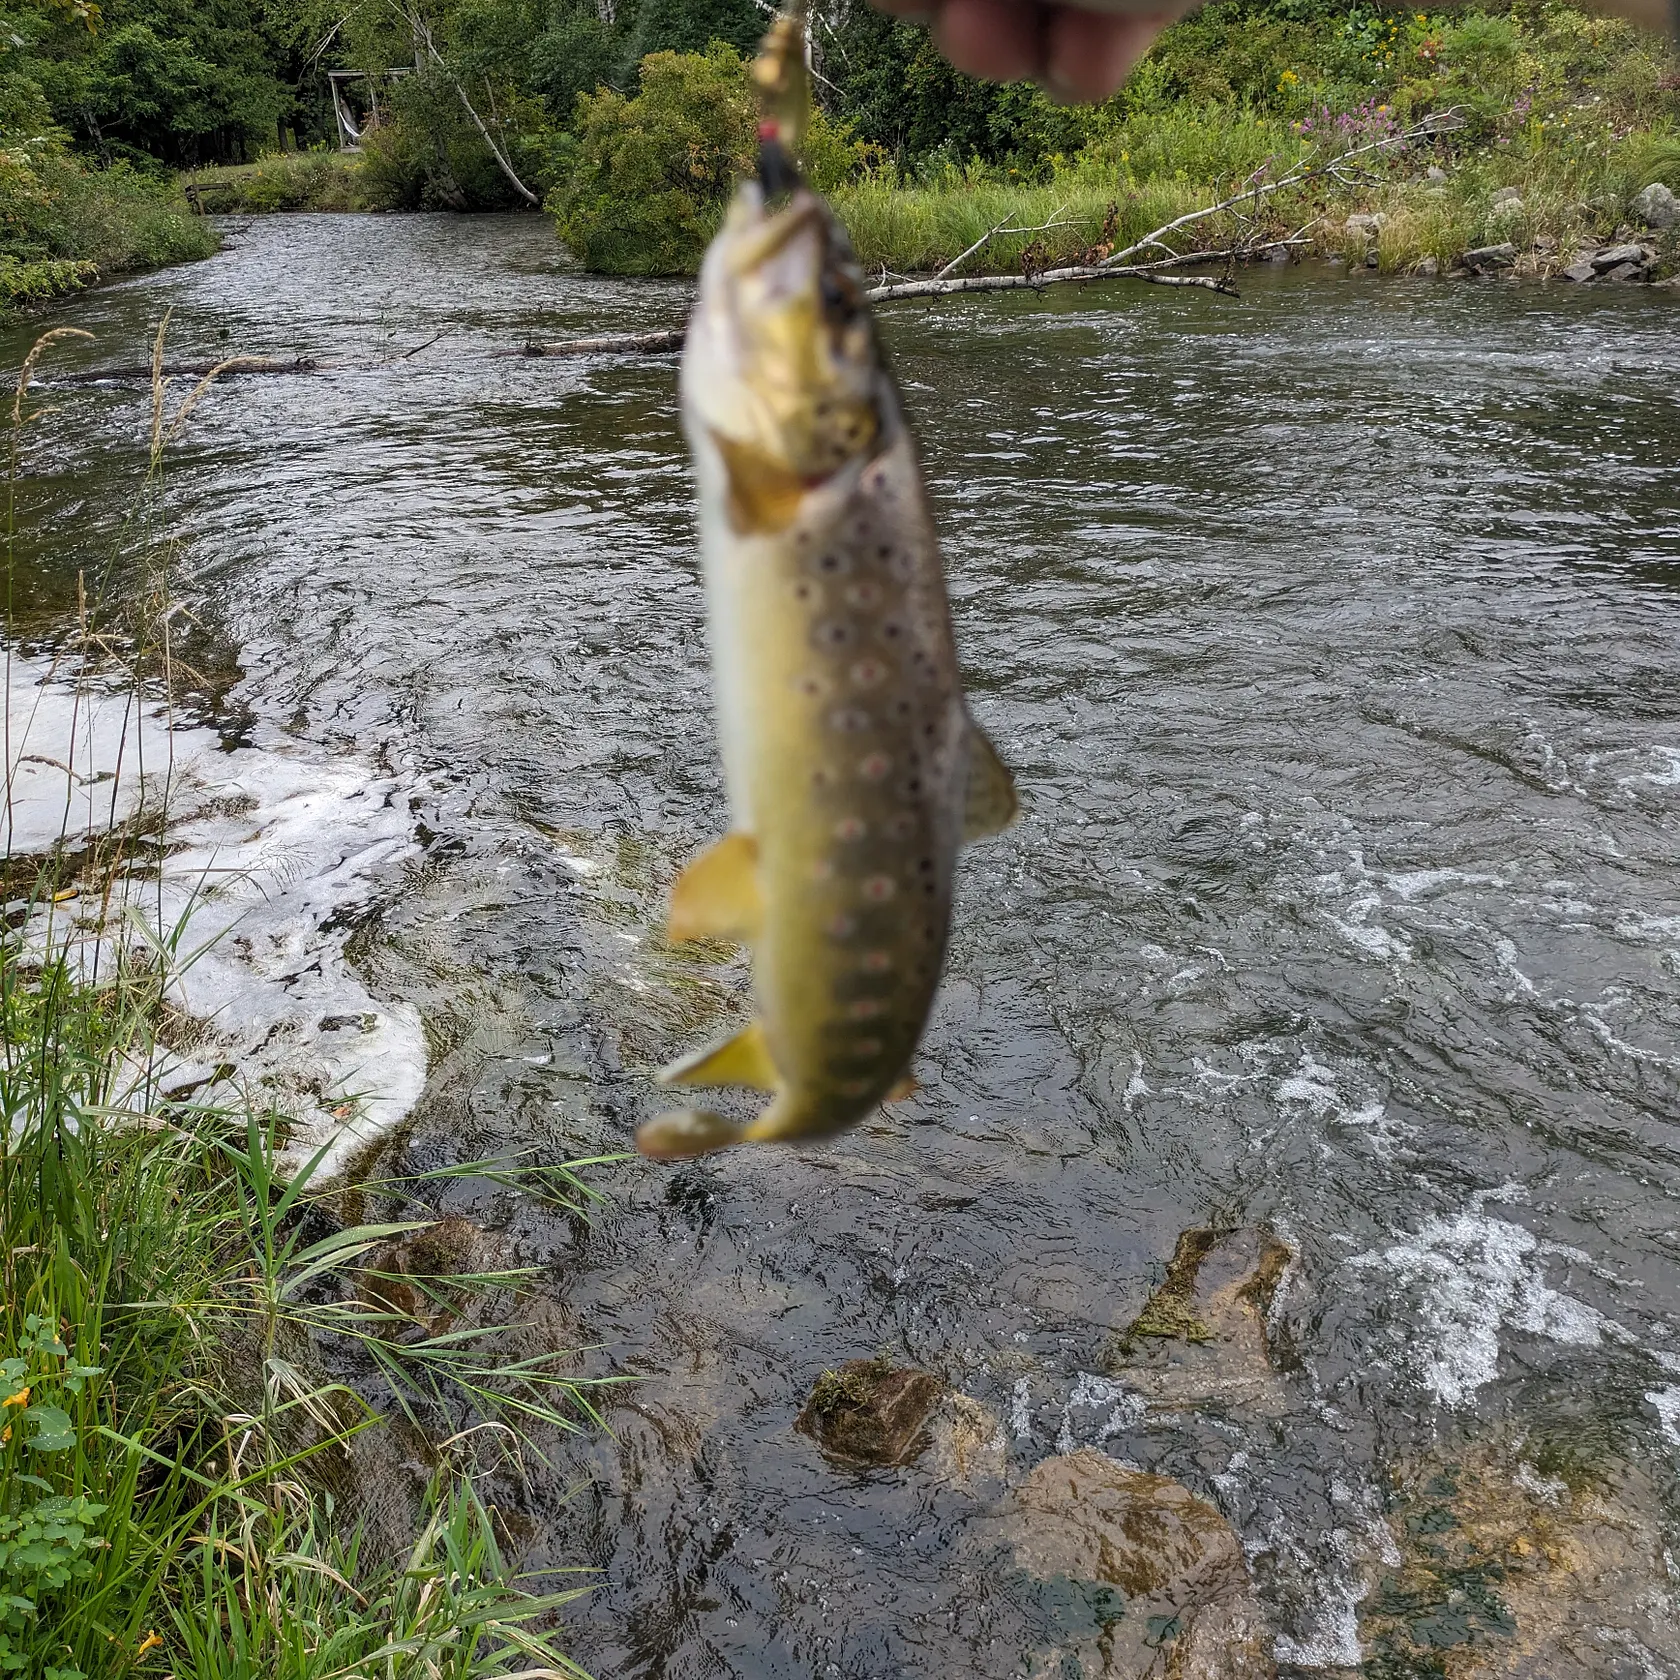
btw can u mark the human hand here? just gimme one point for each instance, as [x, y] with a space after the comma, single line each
[1076, 52]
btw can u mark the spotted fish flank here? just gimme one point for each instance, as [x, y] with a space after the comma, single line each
[854, 770]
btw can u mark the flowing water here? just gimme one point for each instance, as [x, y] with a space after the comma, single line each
[1334, 634]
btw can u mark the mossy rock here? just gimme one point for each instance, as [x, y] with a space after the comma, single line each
[1204, 1335]
[870, 1413]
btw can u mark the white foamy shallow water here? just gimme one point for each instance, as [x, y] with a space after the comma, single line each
[268, 854]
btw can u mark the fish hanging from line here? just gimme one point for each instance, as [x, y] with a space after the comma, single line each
[854, 770]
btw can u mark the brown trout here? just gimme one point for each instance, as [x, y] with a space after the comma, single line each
[854, 770]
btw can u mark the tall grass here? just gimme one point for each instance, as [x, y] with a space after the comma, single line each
[1575, 188]
[193, 1351]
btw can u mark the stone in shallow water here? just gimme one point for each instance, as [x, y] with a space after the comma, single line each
[1523, 1569]
[870, 1413]
[1487, 259]
[401, 1276]
[1159, 1572]
[1202, 1337]
[1581, 272]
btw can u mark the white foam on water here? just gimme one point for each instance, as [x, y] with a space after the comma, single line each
[1505, 953]
[1410, 883]
[1354, 925]
[1314, 1087]
[267, 851]
[1136, 1086]
[1125, 1407]
[1020, 1410]
[1473, 1278]
[1667, 1404]
[1666, 775]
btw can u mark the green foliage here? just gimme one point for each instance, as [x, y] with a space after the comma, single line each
[63, 224]
[154, 80]
[286, 181]
[648, 177]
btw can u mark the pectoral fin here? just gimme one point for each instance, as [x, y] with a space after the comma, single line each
[991, 804]
[716, 897]
[764, 495]
[741, 1060]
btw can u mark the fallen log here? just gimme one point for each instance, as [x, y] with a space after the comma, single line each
[190, 370]
[628, 343]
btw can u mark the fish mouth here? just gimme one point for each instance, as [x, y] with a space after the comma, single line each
[803, 346]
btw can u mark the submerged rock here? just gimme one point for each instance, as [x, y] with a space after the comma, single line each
[408, 1276]
[1656, 206]
[1159, 1573]
[871, 1413]
[1203, 1336]
[1514, 1569]
[968, 1447]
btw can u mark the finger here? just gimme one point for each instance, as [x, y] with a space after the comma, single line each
[1000, 40]
[1087, 55]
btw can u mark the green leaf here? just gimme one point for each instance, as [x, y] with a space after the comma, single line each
[54, 1432]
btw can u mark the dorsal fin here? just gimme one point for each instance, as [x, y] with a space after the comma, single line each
[990, 805]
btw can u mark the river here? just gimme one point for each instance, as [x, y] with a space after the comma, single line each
[1334, 635]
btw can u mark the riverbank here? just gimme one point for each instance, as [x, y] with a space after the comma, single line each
[208, 1353]
[64, 225]
[170, 1436]
[1419, 207]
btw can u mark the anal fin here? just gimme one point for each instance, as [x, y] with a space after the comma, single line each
[716, 896]
[990, 805]
[742, 1060]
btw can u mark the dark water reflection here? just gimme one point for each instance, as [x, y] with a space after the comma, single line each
[1333, 633]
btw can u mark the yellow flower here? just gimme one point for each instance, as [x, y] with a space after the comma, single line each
[149, 1643]
[21, 1398]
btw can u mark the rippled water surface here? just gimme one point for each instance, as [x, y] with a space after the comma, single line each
[1333, 635]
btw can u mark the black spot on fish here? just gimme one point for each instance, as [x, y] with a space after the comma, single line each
[831, 633]
[833, 564]
[849, 720]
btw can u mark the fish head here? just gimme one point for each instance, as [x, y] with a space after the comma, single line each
[782, 365]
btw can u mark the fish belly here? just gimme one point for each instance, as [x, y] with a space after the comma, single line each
[844, 742]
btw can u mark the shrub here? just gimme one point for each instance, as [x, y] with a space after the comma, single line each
[649, 175]
[62, 224]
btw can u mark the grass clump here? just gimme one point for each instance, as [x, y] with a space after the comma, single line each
[170, 1312]
[285, 181]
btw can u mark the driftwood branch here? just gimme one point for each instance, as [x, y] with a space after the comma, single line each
[1442, 122]
[991, 233]
[191, 370]
[606, 343]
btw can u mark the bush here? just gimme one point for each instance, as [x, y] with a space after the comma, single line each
[649, 176]
[63, 225]
[285, 181]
